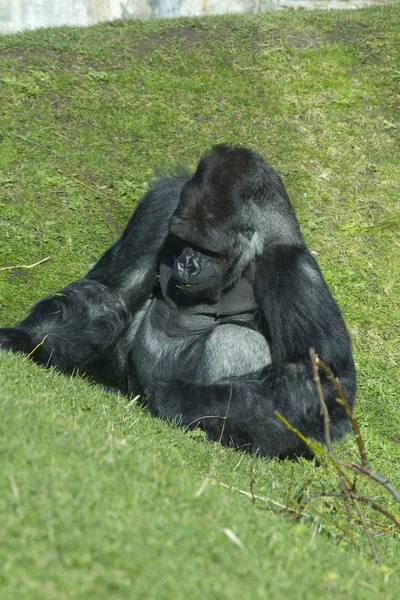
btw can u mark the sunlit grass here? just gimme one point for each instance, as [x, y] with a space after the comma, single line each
[99, 500]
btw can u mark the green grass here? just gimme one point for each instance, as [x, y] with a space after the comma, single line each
[98, 499]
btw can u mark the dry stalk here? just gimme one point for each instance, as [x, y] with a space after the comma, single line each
[39, 262]
[92, 189]
[344, 402]
[347, 487]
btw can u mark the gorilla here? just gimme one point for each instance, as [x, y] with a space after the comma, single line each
[207, 306]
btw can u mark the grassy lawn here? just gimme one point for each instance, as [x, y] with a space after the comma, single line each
[97, 498]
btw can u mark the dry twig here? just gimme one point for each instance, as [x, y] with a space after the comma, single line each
[82, 183]
[344, 402]
[35, 348]
[39, 262]
[347, 487]
[24, 139]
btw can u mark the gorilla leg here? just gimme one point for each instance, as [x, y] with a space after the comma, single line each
[242, 413]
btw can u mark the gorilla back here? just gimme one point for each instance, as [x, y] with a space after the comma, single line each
[208, 305]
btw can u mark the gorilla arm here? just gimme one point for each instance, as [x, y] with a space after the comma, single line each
[75, 326]
[299, 313]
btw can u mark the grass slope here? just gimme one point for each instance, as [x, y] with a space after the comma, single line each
[98, 499]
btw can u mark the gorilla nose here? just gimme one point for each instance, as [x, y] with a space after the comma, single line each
[187, 266]
[193, 266]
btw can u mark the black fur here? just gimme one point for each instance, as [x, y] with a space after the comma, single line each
[208, 304]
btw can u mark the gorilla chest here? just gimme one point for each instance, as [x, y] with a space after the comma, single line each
[194, 347]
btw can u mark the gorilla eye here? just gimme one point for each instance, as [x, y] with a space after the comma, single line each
[205, 251]
[181, 244]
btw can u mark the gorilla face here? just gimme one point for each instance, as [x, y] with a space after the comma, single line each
[197, 272]
[205, 274]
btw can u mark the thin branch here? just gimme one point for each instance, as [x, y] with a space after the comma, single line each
[378, 477]
[226, 415]
[324, 409]
[42, 146]
[344, 481]
[296, 509]
[262, 498]
[343, 490]
[340, 527]
[367, 531]
[343, 400]
[315, 447]
[348, 492]
[87, 149]
[352, 496]
[35, 143]
[65, 137]
[364, 468]
[327, 428]
[36, 347]
[209, 478]
[39, 262]
[252, 482]
[304, 438]
[288, 491]
[204, 417]
[82, 183]
[299, 495]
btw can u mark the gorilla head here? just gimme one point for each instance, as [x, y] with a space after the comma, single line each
[219, 226]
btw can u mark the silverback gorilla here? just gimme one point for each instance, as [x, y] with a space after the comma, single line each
[207, 305]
